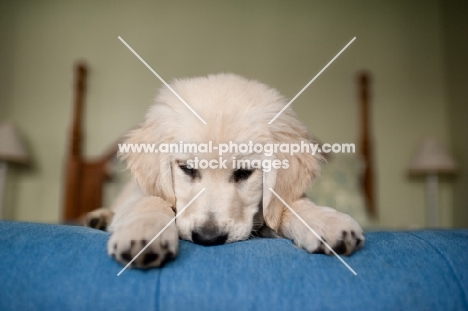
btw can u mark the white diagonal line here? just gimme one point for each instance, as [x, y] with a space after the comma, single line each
[162, 230]
[313, 79]
[162, 80]
[313, 231]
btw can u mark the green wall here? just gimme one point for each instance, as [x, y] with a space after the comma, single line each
[282, 43]
[456, 43]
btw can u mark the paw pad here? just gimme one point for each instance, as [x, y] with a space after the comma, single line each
[149, 258]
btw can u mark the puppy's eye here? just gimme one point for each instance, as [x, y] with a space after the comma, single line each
[193, 173]
[241, 174]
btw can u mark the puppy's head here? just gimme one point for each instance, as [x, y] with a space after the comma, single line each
[237, 198]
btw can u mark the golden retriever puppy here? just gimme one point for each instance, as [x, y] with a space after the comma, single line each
[237, 201]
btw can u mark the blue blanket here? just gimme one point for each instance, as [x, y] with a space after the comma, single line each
[52, 267]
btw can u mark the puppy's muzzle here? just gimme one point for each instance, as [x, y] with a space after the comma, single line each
[209, 235]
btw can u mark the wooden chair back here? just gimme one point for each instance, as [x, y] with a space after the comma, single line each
[85, 178]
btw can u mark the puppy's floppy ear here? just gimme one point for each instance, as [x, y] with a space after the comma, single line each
[290, 183]
[270, 212]
[152, 170]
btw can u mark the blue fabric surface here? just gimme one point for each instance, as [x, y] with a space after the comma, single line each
[51, 267]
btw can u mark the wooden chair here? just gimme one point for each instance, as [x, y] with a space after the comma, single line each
[85, 178]
[366, 149]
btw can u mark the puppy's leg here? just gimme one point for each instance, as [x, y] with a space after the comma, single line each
[338, 230]
[133, 228]
[101, 218]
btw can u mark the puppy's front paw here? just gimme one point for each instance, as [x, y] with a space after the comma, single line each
[340, 231]
[99, 219]
[128, 240]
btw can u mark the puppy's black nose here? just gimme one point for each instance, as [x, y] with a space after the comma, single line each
[208, 237]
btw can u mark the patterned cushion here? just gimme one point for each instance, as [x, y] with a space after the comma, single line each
[339, 187]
